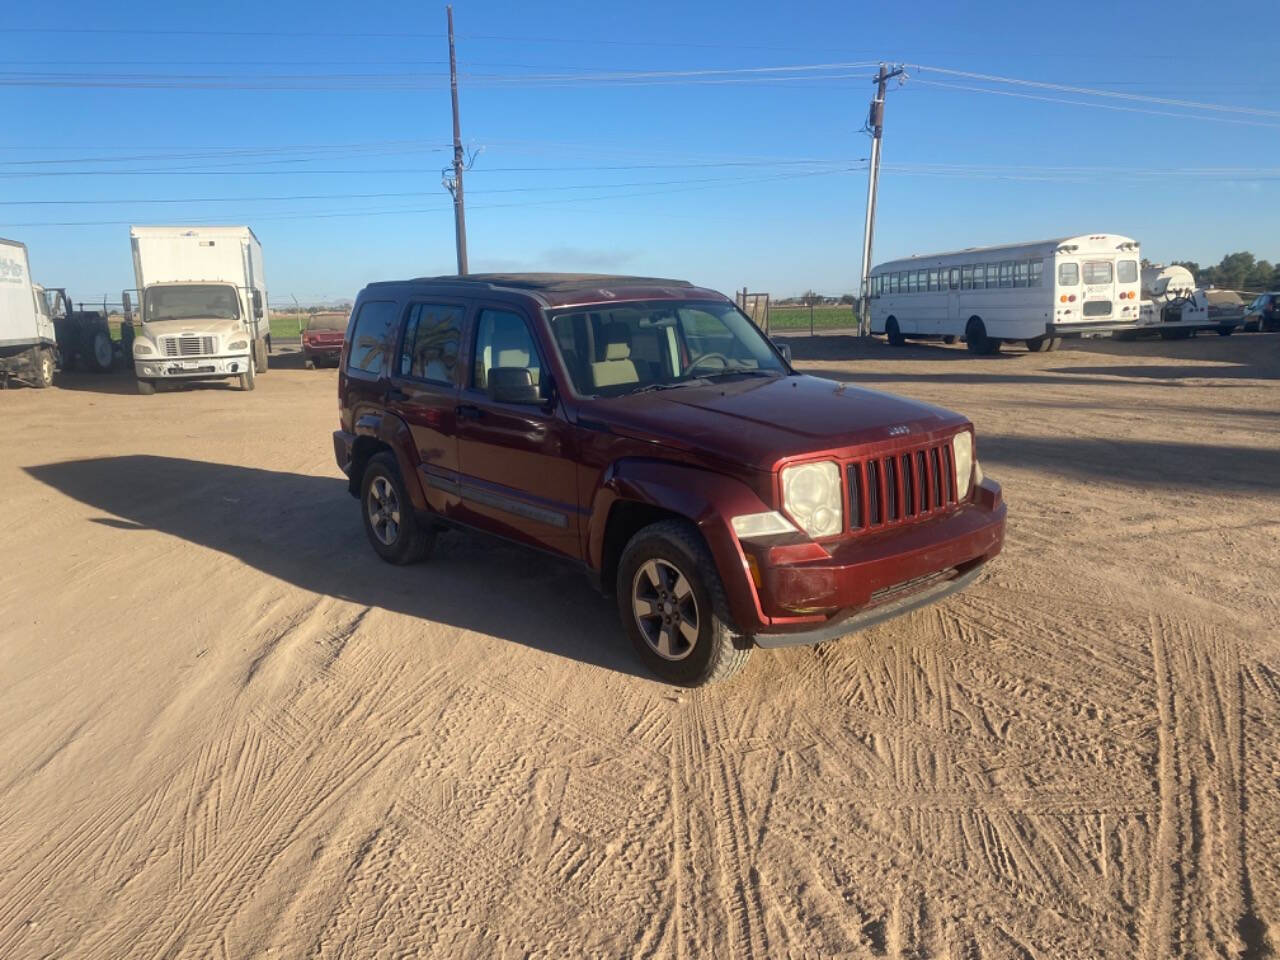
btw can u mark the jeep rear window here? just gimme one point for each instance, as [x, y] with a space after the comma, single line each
[615, 348]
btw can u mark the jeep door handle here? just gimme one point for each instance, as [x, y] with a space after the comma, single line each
[469, 411]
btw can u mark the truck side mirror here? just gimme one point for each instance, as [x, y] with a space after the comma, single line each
[128, 305]
[513, 385]
[257, 303]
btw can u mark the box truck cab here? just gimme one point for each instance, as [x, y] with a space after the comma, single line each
[203, 304]
[28, 344]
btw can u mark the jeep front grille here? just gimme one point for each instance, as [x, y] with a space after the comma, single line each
[901, 487]
[188, 346]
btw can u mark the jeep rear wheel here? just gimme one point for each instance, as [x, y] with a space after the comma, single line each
[393, 528]
[673, 607]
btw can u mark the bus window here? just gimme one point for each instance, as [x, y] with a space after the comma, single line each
[1020, 273]
[954, 282]
[966, 278]
[1127, 271]
[1068, 274]
[933, 280]
[993, 275]
[1097, 271]
[1006, 273]
[979, 276]
[1037, 271]
[913, 281]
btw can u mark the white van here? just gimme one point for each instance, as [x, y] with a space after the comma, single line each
[1034, 292]
[203, 303]
[28, 344]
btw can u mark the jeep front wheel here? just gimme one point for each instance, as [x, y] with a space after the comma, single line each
[673, 607]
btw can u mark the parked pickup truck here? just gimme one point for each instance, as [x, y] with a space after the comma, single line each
[646, 430]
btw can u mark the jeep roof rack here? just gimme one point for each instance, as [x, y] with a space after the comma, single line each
[556, 282]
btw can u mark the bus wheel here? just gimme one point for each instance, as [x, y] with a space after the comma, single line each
[949, 339]
[894, 334]
[976, 339]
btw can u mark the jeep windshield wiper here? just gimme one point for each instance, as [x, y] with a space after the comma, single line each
[745, 372]
[672, 385]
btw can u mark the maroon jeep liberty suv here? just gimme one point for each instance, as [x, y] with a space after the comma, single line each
[647, 430]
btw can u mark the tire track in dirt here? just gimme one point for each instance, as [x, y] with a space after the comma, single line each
[1197, 902]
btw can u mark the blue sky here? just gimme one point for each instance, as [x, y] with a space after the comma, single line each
[719, 178]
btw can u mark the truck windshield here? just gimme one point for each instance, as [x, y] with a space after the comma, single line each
[193, 302]
[613, 349]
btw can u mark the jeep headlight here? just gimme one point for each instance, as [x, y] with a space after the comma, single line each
[142, 349]
[238, 345]
[962, 450]
[813, 497]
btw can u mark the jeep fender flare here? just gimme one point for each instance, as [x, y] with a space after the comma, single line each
[389, 431]
[708, 500]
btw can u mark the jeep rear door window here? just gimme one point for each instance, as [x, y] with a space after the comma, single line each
[432, 334]
[612, 349]
[370, 336]
[503, 340]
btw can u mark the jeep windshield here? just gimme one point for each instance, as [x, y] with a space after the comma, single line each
[193, 302]
[614, 349]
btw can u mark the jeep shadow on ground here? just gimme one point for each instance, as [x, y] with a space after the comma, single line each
[306, 530]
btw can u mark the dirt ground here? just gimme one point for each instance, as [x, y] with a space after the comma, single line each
[227, 730]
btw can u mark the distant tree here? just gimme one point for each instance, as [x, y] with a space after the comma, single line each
[1259, 277]
[1234, 269]
[1273, 283]
[809, 298]
[848, 299]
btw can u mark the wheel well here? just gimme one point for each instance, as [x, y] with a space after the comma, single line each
[626, 519]
[362, 451]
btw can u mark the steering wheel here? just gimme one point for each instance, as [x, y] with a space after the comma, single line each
[724, 362]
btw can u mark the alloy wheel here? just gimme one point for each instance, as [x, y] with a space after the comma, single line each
[665, 608]
[384, 510]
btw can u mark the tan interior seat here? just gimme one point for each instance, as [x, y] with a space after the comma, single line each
[616, 368]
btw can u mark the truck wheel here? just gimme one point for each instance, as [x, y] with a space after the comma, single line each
[893, 333]
[146, 388]
[393, 528]
[260, 356]
[673, 607]
[1226, 331]
[247, 379]
[103, 351]
[42, 362]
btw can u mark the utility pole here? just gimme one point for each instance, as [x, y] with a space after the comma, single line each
[454, 184]
[875, 123]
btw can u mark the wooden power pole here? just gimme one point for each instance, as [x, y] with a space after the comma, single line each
[454, 184]
[875, 123]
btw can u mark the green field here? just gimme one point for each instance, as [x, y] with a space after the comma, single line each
[824, 318]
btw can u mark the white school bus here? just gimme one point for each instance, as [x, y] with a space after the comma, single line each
[1033, 292]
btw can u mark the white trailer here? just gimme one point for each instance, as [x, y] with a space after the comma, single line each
[1174, 307]
[203, 304]
[28, 345]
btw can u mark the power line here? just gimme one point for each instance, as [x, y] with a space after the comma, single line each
[1100, 106]
[1110, 94]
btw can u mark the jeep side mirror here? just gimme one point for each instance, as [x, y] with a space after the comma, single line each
[784, 349]
[257, 303]
[513, 385]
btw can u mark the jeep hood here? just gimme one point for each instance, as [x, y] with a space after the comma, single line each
[757, 422]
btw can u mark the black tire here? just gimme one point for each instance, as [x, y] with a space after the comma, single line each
[1036, 344]
[101, 353]
[42, 367]
[1176, 334]
[893, 333]
[248, 379]
[1226, 331]
[949, 339]
[146, 387]
[260, 356]
[976, 339]
[717, 652]
[400, 537]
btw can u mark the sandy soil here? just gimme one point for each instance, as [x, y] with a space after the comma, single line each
[227, 730]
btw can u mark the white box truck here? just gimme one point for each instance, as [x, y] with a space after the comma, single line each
[202, 298]
[28, 345]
